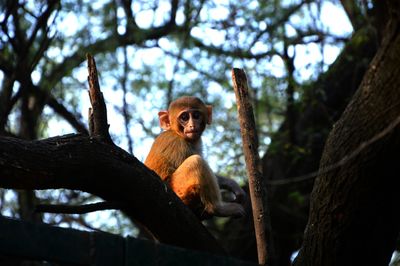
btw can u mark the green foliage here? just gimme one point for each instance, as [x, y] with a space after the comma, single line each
[296, 198]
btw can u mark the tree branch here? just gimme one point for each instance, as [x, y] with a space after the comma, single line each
[257, 187]
[98, 113]
[84, 163]
[353, 12]
[81, 209]
[133, 35]
[92, 165]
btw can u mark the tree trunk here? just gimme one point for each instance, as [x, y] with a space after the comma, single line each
[354, 217]
[328, 98]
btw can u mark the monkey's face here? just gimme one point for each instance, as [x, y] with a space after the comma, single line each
[192, 124]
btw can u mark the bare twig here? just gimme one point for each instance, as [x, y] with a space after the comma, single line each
[257, 187]
[81, 209]
[125, 105]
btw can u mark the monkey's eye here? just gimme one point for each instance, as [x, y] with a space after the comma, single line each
[196, 115]
[184, 117]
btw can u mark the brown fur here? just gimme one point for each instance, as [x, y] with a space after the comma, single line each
[168, 152]
[177, 159]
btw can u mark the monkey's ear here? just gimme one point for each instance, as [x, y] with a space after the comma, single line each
[209, 114]
[164, 120]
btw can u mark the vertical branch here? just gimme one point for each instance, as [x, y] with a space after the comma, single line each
[125, 106]
[256, 183]
[98, 125]
[290, 112]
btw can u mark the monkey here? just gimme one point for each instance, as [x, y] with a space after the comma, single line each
[176, 156]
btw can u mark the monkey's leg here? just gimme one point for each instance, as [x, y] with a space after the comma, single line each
[194, 181]
[194, 178]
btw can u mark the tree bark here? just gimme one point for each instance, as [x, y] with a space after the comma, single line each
[258, 190]
[354, 217]
[85, 163]
[323, 104]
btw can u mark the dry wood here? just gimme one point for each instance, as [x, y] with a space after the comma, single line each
[354, 217]
[87, 164]
[98, 125]
[256, 183]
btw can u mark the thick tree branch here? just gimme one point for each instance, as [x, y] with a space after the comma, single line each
[95, 165]
[84, 163]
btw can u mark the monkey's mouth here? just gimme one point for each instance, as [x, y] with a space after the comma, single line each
[192, 134]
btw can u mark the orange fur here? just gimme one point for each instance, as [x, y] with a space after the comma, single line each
[176, 157]
[167, 153]
[194, 175]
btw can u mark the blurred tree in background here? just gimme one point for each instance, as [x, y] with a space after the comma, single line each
[304, 60]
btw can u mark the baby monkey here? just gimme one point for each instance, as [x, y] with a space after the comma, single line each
[176, 156]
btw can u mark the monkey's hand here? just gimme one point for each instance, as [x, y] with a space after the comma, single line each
[233, 187]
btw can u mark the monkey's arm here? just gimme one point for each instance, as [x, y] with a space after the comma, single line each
[232, 186]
